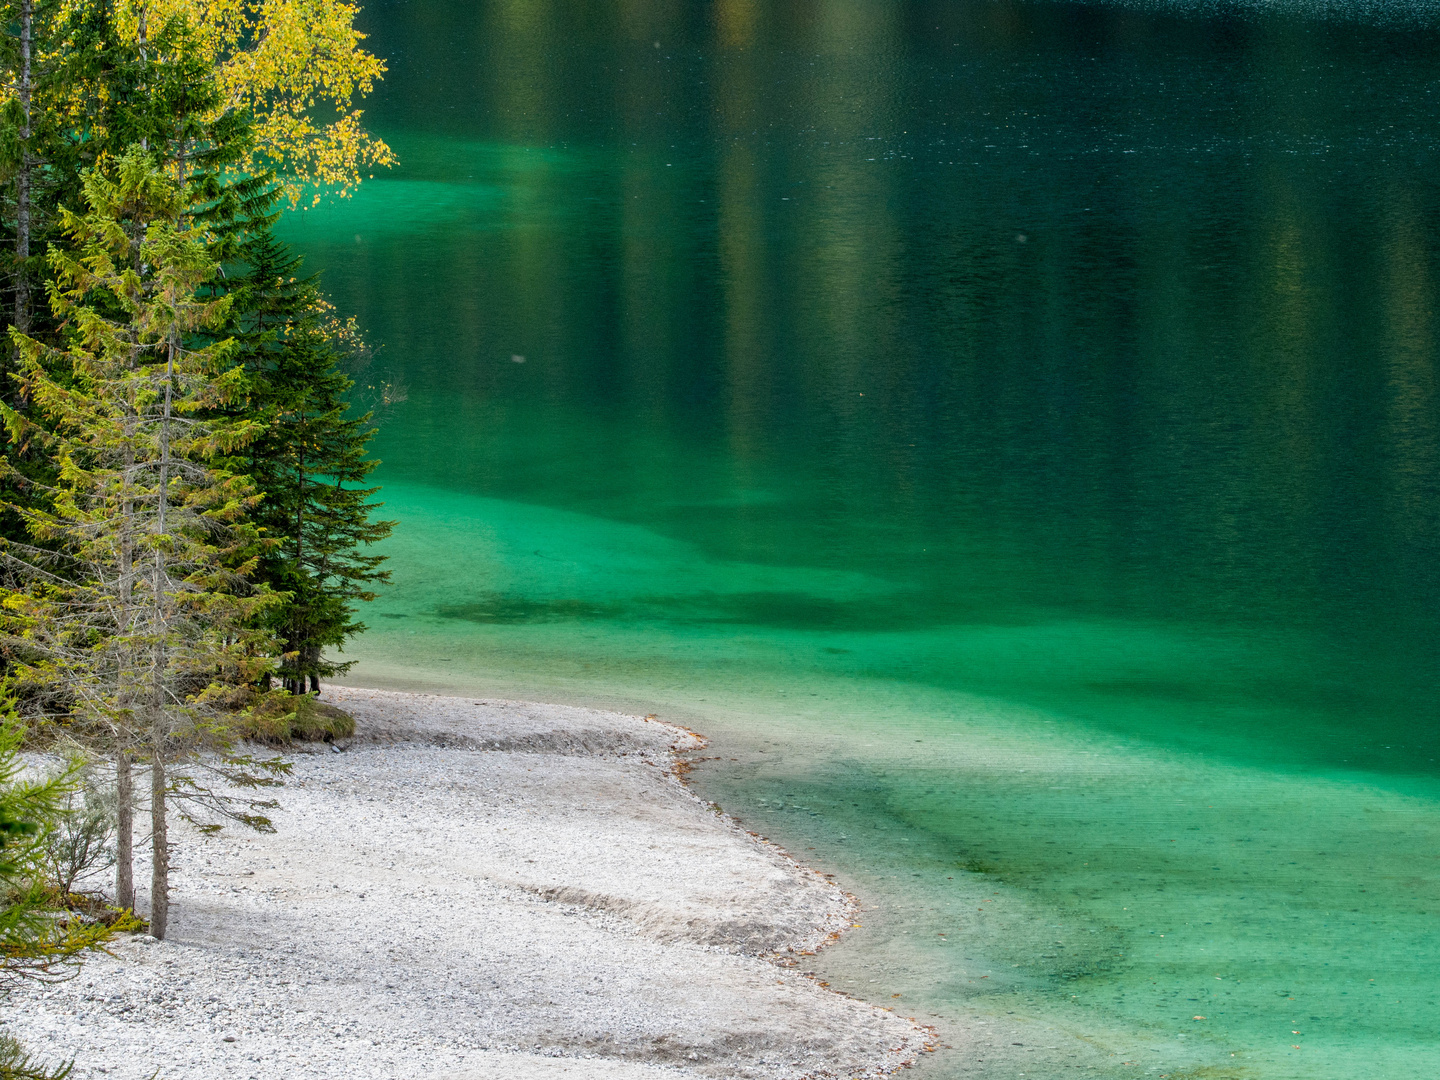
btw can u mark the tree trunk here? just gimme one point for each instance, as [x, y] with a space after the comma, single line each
[290, 668]
[124, 834]
[160, 843]
[25, 94]
[160, 869]
[124, 778]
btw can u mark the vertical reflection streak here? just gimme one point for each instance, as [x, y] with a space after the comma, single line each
[1410, 379]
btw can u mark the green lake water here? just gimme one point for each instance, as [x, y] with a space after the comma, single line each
[1010, 431]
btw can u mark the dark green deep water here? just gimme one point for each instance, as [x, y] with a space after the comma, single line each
[1011, 431]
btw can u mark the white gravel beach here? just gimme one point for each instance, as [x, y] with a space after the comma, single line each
[476, 889]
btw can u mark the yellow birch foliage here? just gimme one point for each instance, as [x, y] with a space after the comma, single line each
[298, 65]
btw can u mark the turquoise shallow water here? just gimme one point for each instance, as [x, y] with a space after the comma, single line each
[1009, 431]
[1088, 882]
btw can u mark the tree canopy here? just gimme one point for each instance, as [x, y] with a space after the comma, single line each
[296, 67]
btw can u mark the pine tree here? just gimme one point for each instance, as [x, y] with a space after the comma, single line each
[310, 463]
[138, 601]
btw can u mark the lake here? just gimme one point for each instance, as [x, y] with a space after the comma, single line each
[1010, 431]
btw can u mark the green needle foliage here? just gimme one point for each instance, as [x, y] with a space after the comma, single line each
[89, 88]
[183, 493]
[309, 461]
[37, 942]
[139, 605]
[16, 1064]
[78, 89]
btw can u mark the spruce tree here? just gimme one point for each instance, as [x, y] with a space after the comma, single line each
[99, 87]
[136, 597]
[80, 88]
[309, 462]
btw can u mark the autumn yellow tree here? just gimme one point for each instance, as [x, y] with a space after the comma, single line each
[299, 68]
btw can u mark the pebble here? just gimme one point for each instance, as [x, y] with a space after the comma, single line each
[477, 889]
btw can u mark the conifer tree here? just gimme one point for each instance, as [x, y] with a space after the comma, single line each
[34, 945]
[138, 602]
[99, 88]
[74, 87]
[25, 165]
[309, 462]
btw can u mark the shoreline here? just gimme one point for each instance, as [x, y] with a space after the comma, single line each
[491, 888]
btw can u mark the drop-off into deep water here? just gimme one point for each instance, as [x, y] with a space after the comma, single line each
[1010, 430]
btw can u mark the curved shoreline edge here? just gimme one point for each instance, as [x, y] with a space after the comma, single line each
[488, 888]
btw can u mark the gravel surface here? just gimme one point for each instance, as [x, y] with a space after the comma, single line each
[473, 890]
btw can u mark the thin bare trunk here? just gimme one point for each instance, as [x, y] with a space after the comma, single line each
[160, 868]
[302, 654]
[25, 92]
[124, 834]
[124, 778]
[143, 39]
[160, 845]
[166, 419]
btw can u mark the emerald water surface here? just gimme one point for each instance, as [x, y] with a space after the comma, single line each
[1009, 430]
